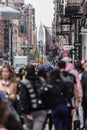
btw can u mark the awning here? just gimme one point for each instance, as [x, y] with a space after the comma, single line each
[8, 13]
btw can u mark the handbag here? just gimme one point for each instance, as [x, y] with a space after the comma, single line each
[76, 121]
[51, 96]
[48, 97]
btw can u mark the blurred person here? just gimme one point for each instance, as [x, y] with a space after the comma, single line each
[7, 119]
[60, 113]
[76, 65]
[79, 94]
[3, 115]
[43, 76]
[17, 103]
[23, 72]
[33, 109]
[8, 85]
[42, 73]
[70, 69]
[81, 70]
[84, 87]
[70, 82]
[49, 69]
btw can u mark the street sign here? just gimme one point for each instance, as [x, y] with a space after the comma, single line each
[26, 48]
[68, 47]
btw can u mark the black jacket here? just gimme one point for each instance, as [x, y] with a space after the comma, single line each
[84, 85]
[29, 95]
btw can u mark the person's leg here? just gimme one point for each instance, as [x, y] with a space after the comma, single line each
[44, 125]
[57, 122]
[56, 118]
[39, 119]
[84, 104]
[64, 117]
[80, 111]
[28, 123]
[50, 121]
[69, 119]
[13, 111]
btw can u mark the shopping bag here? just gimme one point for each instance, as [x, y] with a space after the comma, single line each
[76, 121]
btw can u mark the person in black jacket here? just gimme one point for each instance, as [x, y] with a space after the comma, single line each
[70, 81]
[60, 113]
[32, 106]
[84, 87]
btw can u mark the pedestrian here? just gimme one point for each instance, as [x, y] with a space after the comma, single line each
[7, 119]
[79, 96]
[70, 68]
[71, 90]
[60, 113]
[17, 102]
[81, 70]
[84, 87]
[8, 85]
[49, 69]
[33, 109]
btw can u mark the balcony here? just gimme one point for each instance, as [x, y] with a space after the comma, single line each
[73, 7]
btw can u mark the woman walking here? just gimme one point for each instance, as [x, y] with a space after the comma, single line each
[8, 85]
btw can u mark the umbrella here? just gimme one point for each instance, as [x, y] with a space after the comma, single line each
[8, 13]
[67, 59]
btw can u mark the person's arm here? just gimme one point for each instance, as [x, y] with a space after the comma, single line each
[2, 128]
[75, 91]
[12, 91]
[24, 99]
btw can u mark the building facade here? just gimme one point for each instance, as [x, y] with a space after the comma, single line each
[70, 18]
[27, 33]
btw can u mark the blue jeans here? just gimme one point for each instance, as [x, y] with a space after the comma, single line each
[12, 109]
[60, 117]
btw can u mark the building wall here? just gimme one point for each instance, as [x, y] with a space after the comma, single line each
[26, 27]
[1, 36]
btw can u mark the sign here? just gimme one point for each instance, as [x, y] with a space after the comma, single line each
[68, 47]
[26, 48]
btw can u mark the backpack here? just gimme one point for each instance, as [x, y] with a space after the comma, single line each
[51, 96]
[69, 83]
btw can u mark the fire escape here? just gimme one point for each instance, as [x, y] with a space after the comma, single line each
[71, 17]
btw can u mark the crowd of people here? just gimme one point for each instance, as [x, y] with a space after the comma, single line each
[44, 94]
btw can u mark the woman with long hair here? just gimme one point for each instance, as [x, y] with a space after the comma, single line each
[8, 85]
